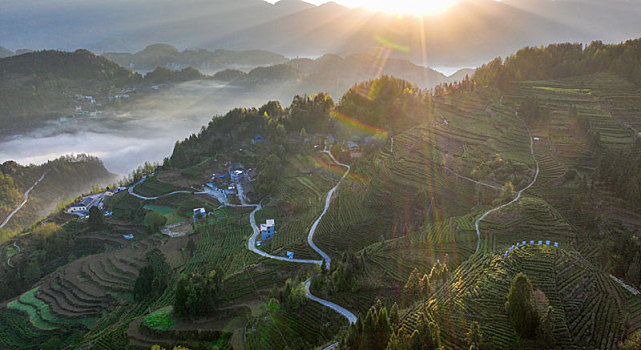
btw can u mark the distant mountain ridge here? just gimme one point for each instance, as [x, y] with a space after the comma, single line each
[164, 55]
[469, 33]
[332, 74]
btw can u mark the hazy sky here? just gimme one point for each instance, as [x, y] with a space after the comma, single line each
[406, 6]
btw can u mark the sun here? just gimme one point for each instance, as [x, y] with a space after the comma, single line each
[409, 7]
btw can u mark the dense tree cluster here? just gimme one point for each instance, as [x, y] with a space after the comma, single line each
[154, 221]
[520, 307]
[344, 272]
[310, 113]
[386, 103]
[419, 287]
[9, 194]
[620, 171]
[564, 60]
[465, 85]
[498, 170]
[534, 112]
[197, 294]
[291, 295]
[383, 331]
[96, 219]
[342, 276]
[153, 278]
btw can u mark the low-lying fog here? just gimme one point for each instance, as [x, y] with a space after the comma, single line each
[143, 130]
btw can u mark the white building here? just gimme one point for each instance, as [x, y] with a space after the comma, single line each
[267, 230]
[199, 212]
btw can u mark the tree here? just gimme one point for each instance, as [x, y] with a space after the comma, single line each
[197, 294]
[412, 289]
[303, 133]
[395, 315]
[191, 246]
[633, 342]
[545, 332]
[152, 278]
[144, 283]
[520, 306]
[373, 332]
[507, 191]
[154, 221]
[474, 336]
[32, 271]
[96, 219]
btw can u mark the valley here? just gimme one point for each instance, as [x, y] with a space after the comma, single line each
[375, 211]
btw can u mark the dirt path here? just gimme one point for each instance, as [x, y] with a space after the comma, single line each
[470, 179]
[26, 199]
[15, 245]
[518, 196]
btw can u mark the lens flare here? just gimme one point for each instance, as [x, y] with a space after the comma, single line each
[406, 7]
[358, 124]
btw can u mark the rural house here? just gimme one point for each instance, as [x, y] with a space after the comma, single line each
[267, 230]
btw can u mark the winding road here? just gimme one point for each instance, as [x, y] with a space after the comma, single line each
[15, 245]
[341, 310]
[26, 199]
[251, 243]
[310, 237]
[518, 196]
[131, 191]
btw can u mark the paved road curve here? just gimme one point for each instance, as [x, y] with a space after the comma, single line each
[518, 196]
[131, 191]
[341, 310]
[310, 237]
[26, 199]
[251, 243]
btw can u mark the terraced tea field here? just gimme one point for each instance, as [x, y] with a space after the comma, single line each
[587, 305]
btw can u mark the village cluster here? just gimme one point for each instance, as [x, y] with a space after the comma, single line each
[231, 187]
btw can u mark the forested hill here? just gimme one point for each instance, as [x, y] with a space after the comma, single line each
[564, 60]
[66, 178]
[42, 85]
[49, 65]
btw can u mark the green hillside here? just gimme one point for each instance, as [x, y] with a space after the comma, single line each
[485, 214]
